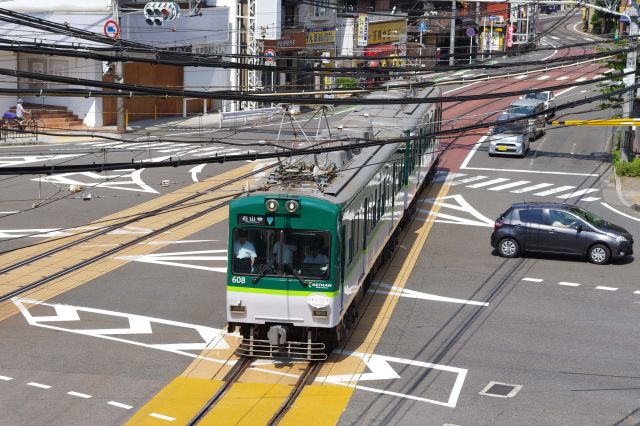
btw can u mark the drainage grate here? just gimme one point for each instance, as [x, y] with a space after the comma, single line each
[501, 390]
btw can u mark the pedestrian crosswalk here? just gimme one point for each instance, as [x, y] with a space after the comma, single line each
[174, 149]
[543, 189]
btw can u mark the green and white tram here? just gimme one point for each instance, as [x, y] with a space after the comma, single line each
[302, 252]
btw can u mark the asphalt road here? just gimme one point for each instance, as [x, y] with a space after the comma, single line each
[558, 334]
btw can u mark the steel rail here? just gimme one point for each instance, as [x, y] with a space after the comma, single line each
[305, 378]
[232, 377]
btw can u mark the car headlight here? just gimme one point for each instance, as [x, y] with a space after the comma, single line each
[621, 239]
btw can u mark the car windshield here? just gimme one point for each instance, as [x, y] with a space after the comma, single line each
[541, 96]
[516, 127]
[281, 252]
[587, 216]
[521, 109]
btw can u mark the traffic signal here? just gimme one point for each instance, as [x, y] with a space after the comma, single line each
[155, 13]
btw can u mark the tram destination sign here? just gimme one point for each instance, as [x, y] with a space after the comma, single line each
[255, 219]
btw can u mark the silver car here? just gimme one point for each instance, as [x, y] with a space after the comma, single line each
[532, 108]
[509, 138]
[547, 97]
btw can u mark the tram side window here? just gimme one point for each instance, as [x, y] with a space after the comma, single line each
[352, 234]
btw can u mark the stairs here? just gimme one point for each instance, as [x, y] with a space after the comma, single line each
[53, 117]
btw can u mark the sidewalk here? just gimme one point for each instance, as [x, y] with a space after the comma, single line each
[629, 191]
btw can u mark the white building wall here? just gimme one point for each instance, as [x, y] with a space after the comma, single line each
[8, 60]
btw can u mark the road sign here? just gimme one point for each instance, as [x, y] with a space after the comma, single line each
[422, 27]
[492, 18]
[111, 29]
[270, 53]
[470, 32]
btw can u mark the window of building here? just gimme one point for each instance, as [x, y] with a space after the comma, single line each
[321, 8]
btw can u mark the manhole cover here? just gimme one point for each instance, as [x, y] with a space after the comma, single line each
[501, 390]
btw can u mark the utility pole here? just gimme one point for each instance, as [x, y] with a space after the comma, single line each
[452, 37]
[119, 77]
[630, 80]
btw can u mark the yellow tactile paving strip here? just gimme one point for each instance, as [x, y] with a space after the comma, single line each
[66, 258]
[257, 398]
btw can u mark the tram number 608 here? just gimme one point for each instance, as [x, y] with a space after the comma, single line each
[238, 280]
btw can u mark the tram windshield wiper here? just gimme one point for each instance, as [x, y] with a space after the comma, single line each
[298, 277]
[261, 274]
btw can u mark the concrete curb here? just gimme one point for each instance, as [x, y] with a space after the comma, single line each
[623, 200]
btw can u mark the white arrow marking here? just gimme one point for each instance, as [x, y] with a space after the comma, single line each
[131, 181]
[381, 370]
[33, 233]
[213, 338]
[194, 172]
[462, 205]
[26, 159]
[171, 259]
[412, 294]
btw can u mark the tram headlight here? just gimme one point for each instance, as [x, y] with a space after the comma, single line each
[272, 205]
[292, 206]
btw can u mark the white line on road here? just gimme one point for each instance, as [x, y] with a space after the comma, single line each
[6, 378]
[601, 287]
[487, 183]
[564, 77]
[553, 37]
[472, 152]
[619, 212]
[533, 280]
[461, 87]
[38, 385]
[78, 394]
[554, 190]
[467, 180]
[491, 169]
[589, 199]
[581, 79]
[120, 405]
[636, 292]
[520, 77]
[568, 284]
[562, 92]
[509, 185]
[578, 193]
[162, 417]
[544, 77]
[532, 188]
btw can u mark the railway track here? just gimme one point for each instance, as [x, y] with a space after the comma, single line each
[202, 201]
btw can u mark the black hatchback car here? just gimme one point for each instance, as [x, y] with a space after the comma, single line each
[559, 228]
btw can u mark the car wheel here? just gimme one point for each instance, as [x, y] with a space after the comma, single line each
[508, 247]
[599, 254]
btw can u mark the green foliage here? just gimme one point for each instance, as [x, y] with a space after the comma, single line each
[617, 63]
[623, 168]
[346, 82]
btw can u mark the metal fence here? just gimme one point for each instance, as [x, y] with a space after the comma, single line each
[9, 132]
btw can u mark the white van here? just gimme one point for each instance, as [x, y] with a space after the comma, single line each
[530, 107]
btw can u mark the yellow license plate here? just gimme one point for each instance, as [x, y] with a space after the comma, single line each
[502, 148]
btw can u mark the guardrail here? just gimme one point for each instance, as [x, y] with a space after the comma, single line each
[246, 114]
[12, 133]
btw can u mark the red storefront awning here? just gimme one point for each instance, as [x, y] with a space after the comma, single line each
[380, 50]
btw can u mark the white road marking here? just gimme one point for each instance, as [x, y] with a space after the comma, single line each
[570, 38]
[467, 180]
[530, 171]
[461, 87]
[568, 284]
[597, 77]
[602, 287]
[636, 292]
[588, 39]
[78, 394]
[162, 417]
[171, 259]
[581, 79]
[125, 180]
[509, 185]
[619, 212]
[11, 212]
[562, 92]
[578, 193]
[555, 38]
[462, 205]
[532, 188]
[39, 385]
[554, 190]
[210, 338]
[380, 369]
[194, 172]
[472, 152]
[589, 199]
[6, 378]
[533, 280]
[487, 183]
[564, 77]
[520, 77]
[120, 405]
[412, 294]
[543, 77]
[9, 161]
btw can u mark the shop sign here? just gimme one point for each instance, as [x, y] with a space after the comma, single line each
[363, 30]
[386, 32]
[321, 37]
[510, 36]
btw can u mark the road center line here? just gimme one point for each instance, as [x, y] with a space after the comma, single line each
[38, 385]
[602, 287]
[533, 280]
[120, 405]
[79, 395]
[568, 284]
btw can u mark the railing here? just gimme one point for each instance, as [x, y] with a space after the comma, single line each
[246, 114]
[29, 129]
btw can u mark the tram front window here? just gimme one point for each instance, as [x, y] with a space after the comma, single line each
[277, 252]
